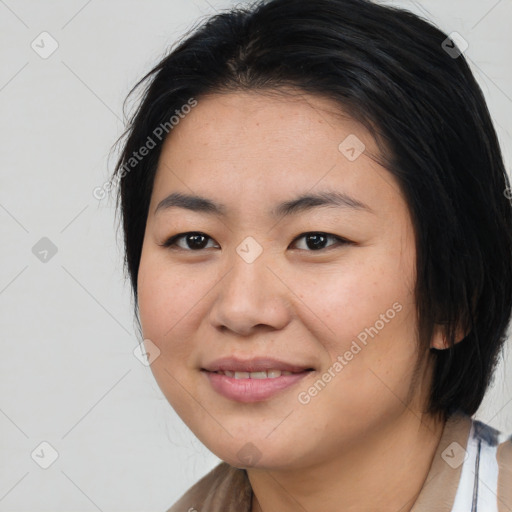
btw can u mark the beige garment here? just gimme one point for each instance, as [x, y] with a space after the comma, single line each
[227, 489]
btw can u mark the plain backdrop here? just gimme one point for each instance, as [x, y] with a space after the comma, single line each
[68, 376]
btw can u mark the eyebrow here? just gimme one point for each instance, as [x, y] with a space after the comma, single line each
[301, 204]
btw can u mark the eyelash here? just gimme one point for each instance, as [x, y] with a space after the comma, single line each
[170, 243]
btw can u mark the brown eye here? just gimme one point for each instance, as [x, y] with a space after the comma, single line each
[316, 241]
[194, 241]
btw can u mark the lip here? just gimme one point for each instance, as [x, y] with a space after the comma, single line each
[255, 364]
[251, 390]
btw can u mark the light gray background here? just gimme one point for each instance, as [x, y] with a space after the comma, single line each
[68, 373]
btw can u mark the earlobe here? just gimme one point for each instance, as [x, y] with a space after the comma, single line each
[439, 343]
[439, 340]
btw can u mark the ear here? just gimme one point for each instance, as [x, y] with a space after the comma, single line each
[439, 341]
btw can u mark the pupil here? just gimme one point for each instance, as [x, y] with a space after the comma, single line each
[194, 239]
[316, 244]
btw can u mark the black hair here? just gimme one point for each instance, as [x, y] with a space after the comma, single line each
[411, 86]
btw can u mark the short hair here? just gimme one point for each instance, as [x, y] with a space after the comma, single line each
[411, 87]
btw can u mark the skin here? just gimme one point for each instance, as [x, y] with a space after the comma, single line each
[364, 435]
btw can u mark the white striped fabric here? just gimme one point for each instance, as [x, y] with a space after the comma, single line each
[478, 485]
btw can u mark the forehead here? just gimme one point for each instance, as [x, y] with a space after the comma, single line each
[287, 119]
[253, 146]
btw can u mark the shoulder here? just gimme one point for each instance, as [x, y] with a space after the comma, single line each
[224, 489]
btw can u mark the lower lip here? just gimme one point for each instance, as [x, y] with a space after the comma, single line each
[251, 390]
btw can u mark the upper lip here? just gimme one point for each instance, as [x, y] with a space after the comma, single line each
[256, 364]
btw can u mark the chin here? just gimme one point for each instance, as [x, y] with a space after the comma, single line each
[247, 454]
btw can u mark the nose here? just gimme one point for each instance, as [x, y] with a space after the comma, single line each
[251, 296]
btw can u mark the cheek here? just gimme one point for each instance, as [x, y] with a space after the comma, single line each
[365, 313]
[352, 296]
[166, 297]
[169, 300]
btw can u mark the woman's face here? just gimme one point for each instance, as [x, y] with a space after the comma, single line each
[326, 288]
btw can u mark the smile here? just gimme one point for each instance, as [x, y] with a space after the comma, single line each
[252, 386]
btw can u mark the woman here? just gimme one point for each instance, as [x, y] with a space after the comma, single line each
[319, 242]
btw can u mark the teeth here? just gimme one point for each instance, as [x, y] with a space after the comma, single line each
[255, 375]
[268, 374]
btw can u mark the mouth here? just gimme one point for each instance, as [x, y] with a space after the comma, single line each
[253, 380]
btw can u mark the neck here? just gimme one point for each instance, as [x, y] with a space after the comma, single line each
[383, 473]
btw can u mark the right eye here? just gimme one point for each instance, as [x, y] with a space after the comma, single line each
[194, 240]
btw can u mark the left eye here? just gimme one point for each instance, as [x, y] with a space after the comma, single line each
[196, 241]
[316, 240]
